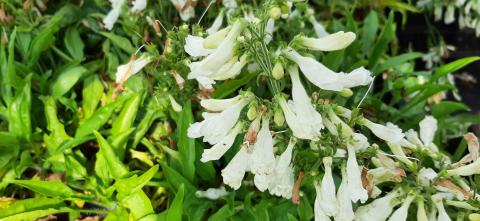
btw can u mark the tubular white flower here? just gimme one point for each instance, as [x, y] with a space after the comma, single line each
[234, 172]
[402, 212]
[269, 28]
[217, 151]
[212, 193]
[390, 133]
[421, 213]
[412, 137]
[204, 69]
[325, 78]
[175, 105]
[216, 105]
[231, 4]
[261, 181]
[125, 71]
[194, 46]
[428, 127]
[139, 5]
[216, 126]
[329, 201]
[262, 159]
[345, 210]
[231, 69]
[466, 170]
[317, 206]
[449, 14]
[113, 14]
[398, 152]
[282, 178]
[302, 118]
[215, 39]
[217, 23]
[442, 213]
[332, 42]
[379, 209]
[473, 145]
[355, 187]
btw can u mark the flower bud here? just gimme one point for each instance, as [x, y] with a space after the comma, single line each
[278, 117]
[278, 71]
[252, 112]
[214, 40]
[275, 13]
[346, 92]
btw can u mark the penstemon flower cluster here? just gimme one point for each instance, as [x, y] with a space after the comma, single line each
[380, 178]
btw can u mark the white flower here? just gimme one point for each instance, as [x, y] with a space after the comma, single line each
[412, 137]
[216, 105]
[390, 133]
[204, 70]
[345, 210]
[473, 146]
[355, 187]
[318, 27]
[234, 172]
[428, 127]
[262, 159]
[398, 152]
[438, 11]
[421, 213]
[449, 14]
[231, 4]
[231, 69]
[442, 213]
[282, 178]
[125, 71]
[466, 170]
[426, 176]
[217, 23]
[269, 30]
[329, 201]
[402, 212]
[194, 46]
[212, 193]
[217, 151]
[175, 105]
[379, 209]
[139, 5]
[261, 181]
[325, 78]
[317, 206]
[332, 42]
[302, 118]
[216, 126]
[113, 14]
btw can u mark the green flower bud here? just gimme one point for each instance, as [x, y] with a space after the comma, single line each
[252, 112]
[275, 13]
[346, 92]
[278, 71]
[278, 117]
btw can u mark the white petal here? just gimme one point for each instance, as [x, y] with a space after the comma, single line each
[390, 133]
[112, 17]
[282, 178]
[261, 181]
[412, 137]
[269, 30]
[378, 210]
[401, 213]
[234, 172]
[449, 14]
[426, 176]
[194, 46]
[187, 13]
[262, 159]
[175, 105]
[332, 42]
[217, 151]
[219, 104]
[139, 5]
[317, 208]
[442, 213]
[231, 4]
[428, 127]
[345, 210]
[329, 201]
[318, 27]
[217, 23]
[212, 193]
[355, 187]
[125, 71]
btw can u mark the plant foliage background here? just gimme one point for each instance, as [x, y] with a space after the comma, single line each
[76, 144]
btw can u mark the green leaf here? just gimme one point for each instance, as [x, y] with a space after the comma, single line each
[222, 214]
[334, 59]
[44, 39]
[228, 87]
[66, 80]
[91, 95]
[176, 179]
[19, 115]
[125, 119]
[139, 205]
[27, 205]
[186, 145]
[73, 43]
[176, 208]
[57, 131]
[120, 42]
[452, 67]
[115, 166]
[445, 108]
[396, 61]
[48, 188]
[381, 46]
[370, 29]
[132, 184]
